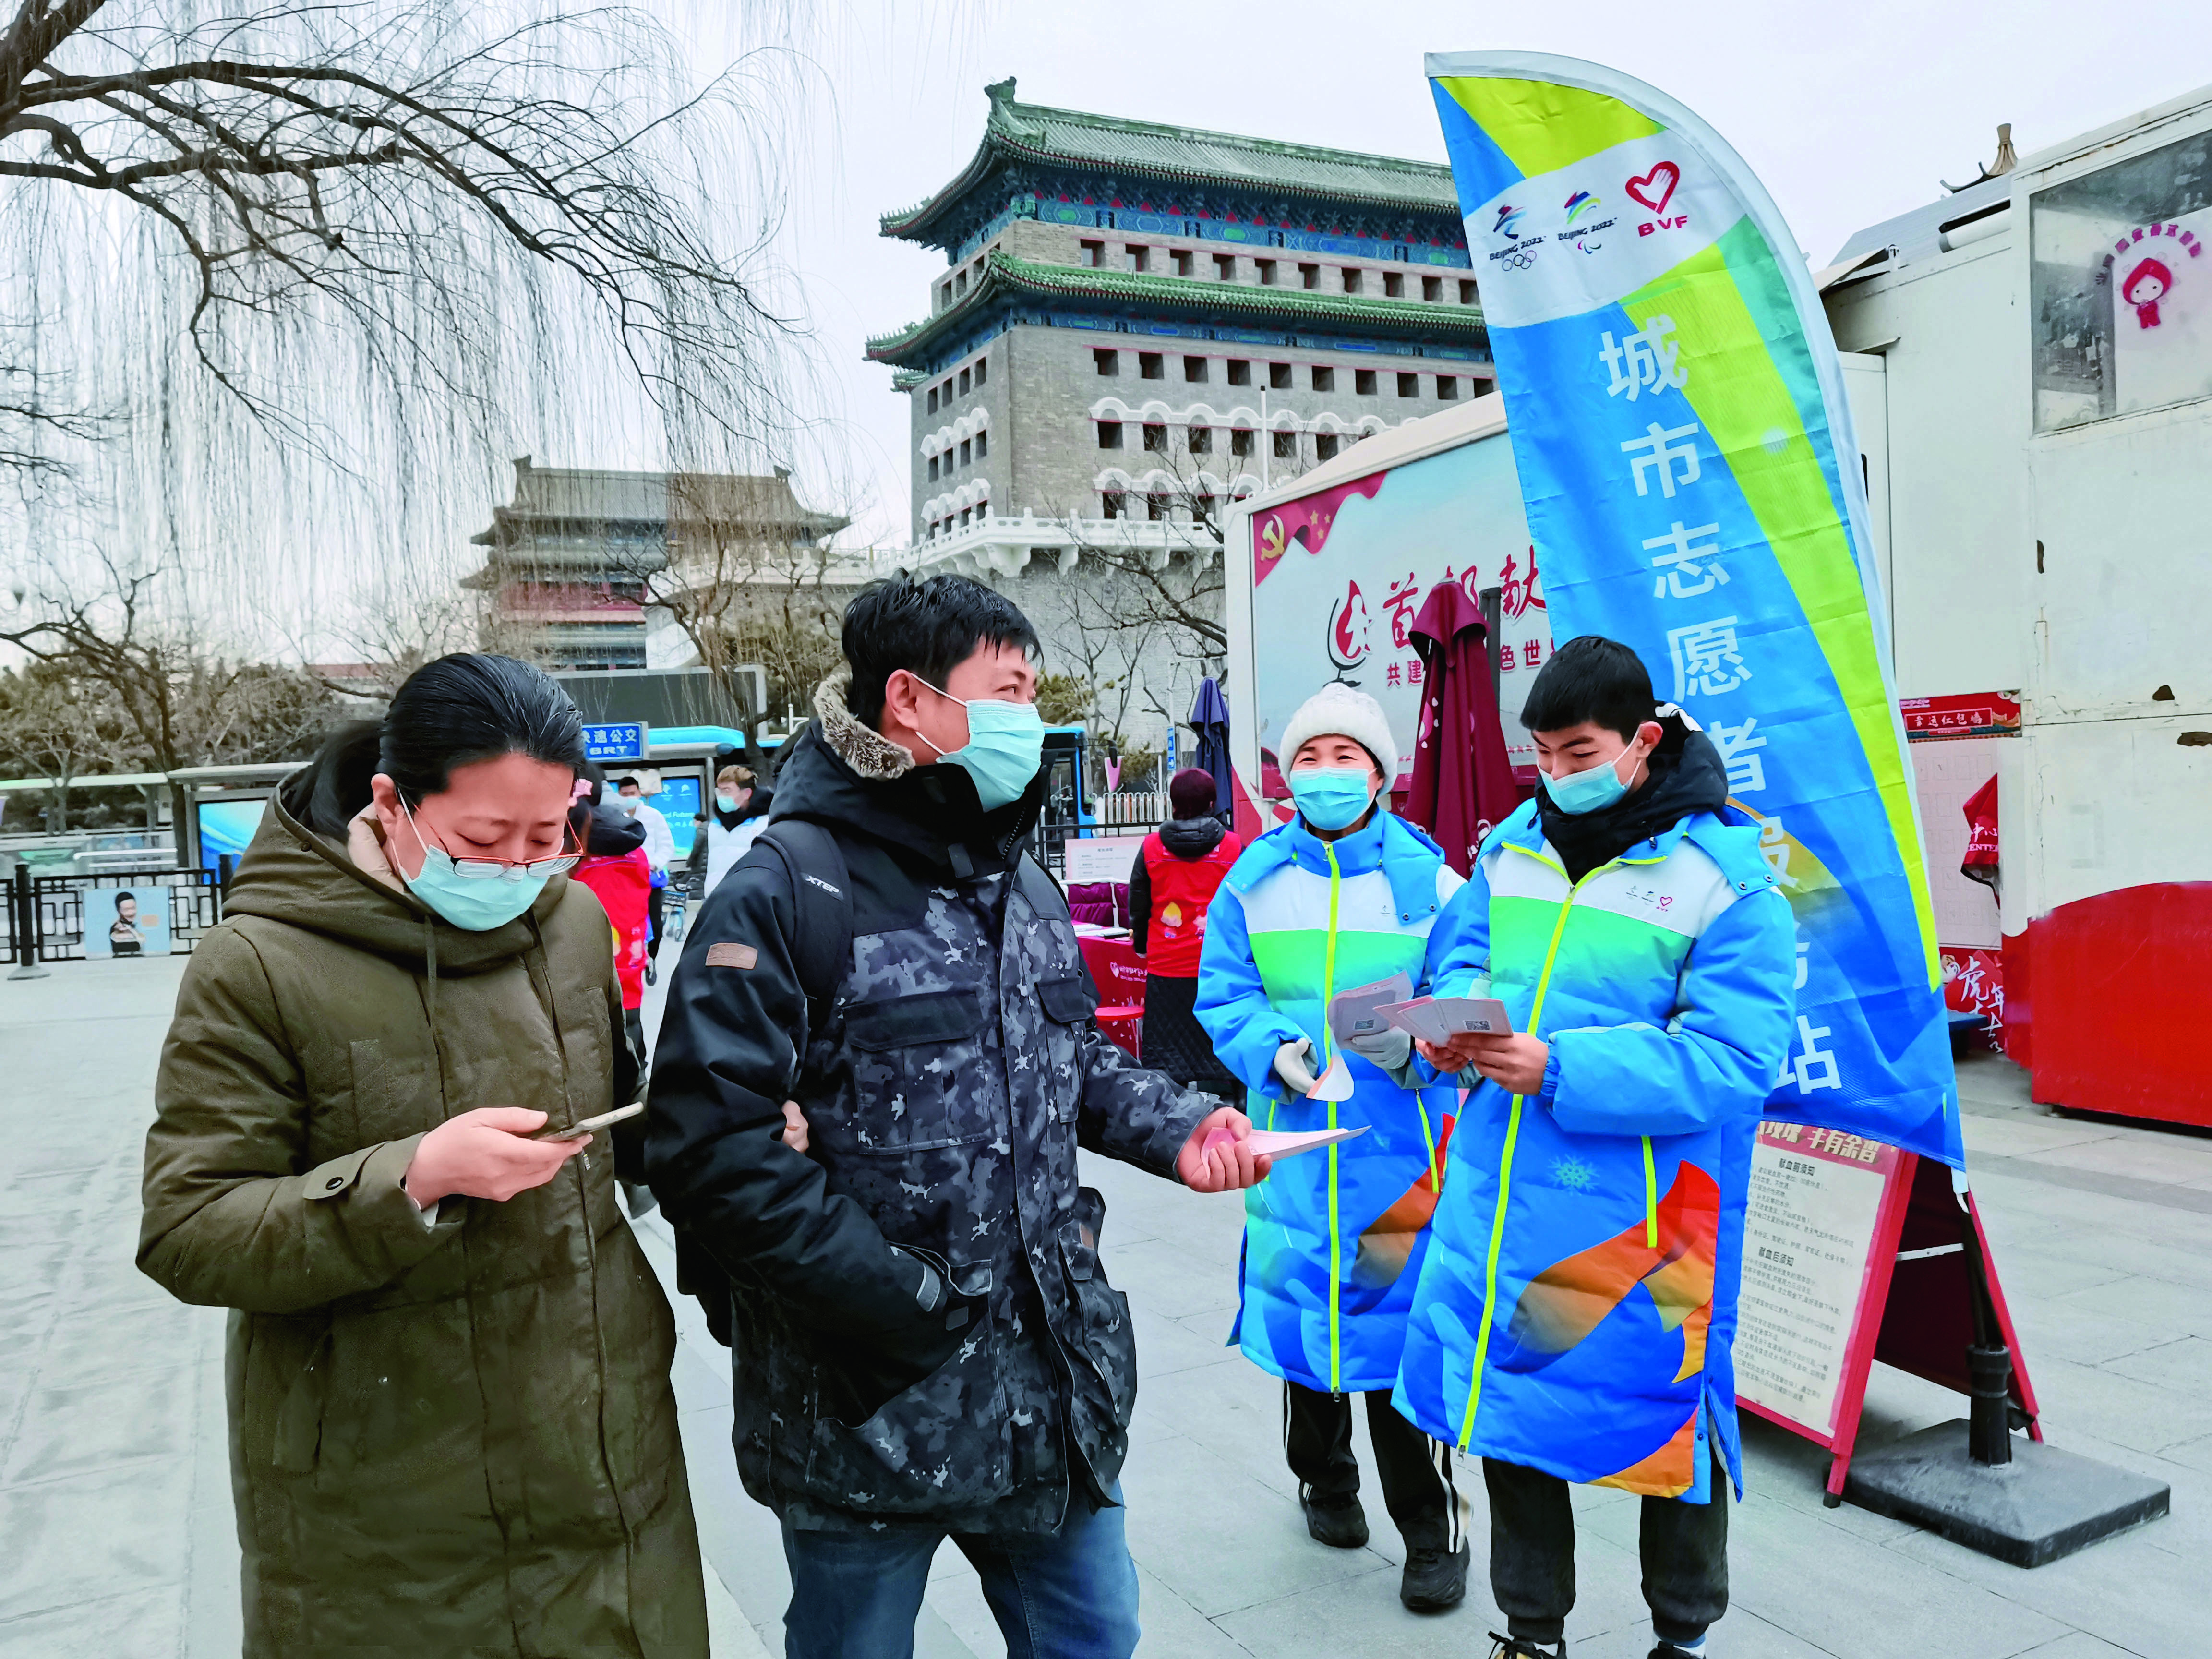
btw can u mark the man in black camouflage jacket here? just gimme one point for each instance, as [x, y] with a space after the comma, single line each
[924, 1341]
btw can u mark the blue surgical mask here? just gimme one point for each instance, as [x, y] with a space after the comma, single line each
[1332, 797]
[1594, 790]
[726, 803]
[1005, 747]
[478, 903]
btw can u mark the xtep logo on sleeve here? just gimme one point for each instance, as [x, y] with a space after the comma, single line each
[1509, 220]
[1654, 191]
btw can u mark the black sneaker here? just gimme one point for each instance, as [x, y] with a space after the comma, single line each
[1434, 1579]
[1519, 1647]
[652, 973]
[1668, 1650]
[1342, 1524]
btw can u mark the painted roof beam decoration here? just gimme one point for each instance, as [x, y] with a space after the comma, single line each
[1005, 277]
[1021, 137]
[1686, 459]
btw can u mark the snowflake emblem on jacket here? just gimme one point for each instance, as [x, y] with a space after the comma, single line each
[1573, 1174]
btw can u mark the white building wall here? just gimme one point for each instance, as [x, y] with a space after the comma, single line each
[2072, 567]
[1948, 333]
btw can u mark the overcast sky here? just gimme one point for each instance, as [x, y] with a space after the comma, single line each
[1849, 112]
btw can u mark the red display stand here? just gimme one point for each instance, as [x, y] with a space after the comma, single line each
[1915, 1301]
[1118, 972]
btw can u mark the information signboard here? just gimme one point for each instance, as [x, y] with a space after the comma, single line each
[616, 740]
[1808, 1237]
[1854, 1251]
[1099, 858]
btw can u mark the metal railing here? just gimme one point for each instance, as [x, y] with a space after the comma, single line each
[48, 916]
[1131, 811]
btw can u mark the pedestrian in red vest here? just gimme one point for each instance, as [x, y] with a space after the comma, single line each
[1173, 880]
[617, 869]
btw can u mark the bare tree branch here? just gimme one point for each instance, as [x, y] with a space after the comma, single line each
[415, 178]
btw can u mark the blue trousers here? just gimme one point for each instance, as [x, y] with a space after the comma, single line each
[1068, 1594]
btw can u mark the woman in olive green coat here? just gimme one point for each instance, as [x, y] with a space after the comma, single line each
[452, 1427]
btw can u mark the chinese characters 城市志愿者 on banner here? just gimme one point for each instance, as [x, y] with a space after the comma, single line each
[1676, 410]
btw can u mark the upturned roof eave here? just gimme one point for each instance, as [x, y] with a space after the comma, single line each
[1004, 273]
[998, 142]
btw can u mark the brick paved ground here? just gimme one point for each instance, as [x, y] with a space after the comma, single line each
[114, 1500]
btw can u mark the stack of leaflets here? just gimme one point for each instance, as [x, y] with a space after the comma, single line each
[1367, 1009]
[1439, 1019]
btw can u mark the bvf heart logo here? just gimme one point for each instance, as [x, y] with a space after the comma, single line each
[1656, 188]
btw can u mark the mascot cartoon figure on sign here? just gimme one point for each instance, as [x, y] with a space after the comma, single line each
[2147, 284]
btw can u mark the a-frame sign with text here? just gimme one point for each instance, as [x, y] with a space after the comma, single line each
[1856, 1251]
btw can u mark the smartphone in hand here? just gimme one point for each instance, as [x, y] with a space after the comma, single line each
[574, 1131]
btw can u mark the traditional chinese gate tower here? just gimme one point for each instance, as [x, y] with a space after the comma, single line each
[1138, 323]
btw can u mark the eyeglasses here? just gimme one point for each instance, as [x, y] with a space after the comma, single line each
[500, 869]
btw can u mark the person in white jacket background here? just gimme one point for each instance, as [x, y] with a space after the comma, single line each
[741, 811]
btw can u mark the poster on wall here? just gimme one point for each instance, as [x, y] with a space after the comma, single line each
[1948, 775]
[1957, 746]
[226, 827]
[2161, 291]
[677, 801]
[1340, 576]
[124, 922]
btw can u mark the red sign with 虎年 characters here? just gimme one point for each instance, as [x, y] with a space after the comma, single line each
[1967, 715]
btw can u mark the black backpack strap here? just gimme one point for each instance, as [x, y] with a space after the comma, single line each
[821, 907]
[822, 940]
[1049, 900]
[1045, 896]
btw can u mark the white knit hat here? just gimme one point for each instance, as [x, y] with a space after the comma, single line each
[1339, 710]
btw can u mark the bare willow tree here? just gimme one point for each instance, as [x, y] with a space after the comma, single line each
[281, 280]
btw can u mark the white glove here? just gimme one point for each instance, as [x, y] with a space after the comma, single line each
[1294, 1065]
[1388, 1048]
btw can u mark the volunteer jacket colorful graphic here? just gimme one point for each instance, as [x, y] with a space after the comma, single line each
[1578, 1309]
[1333, 1239]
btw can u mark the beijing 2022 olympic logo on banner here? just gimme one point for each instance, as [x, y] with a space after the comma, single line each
[1348, 620]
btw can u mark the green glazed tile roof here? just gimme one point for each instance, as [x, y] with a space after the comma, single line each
[1149, 149]
[1005, 274]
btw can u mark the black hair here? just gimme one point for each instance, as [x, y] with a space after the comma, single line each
[927, 628]
[627, 781]
[472, 706]
[1594, 679]
[121, 894]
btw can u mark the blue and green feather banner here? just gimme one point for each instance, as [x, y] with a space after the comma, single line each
[1693, 488]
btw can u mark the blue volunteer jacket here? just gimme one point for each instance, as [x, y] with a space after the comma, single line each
[1579, 1301]
[1334, 1238]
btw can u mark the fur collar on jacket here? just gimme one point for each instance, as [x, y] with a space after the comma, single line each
[863, 749]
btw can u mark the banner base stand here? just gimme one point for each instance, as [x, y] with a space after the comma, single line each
[2044, 1505]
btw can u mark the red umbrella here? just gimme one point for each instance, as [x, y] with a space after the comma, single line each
[1980, 863]
[1463, 782]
